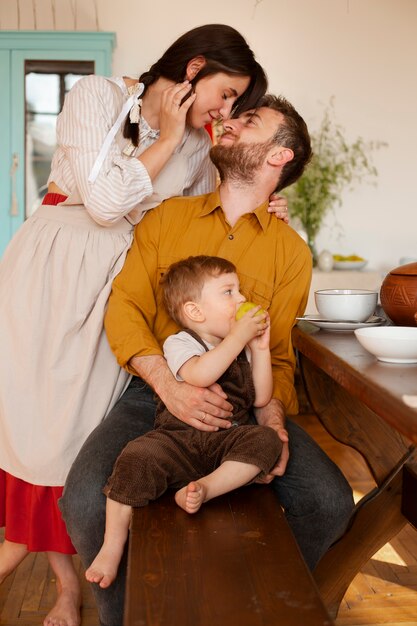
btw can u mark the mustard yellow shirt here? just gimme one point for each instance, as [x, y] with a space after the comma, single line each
[274, 267]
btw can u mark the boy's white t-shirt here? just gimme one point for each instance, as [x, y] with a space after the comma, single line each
[180, 348]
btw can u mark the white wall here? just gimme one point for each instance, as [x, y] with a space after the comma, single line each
[362, 52]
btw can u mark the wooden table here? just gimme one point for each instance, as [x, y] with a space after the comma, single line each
[359, 400]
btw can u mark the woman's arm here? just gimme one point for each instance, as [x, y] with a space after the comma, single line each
[122, 183]
[90, 109]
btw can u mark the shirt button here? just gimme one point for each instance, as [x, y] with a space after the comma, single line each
[231, 237]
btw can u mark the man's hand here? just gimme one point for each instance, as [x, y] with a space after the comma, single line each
[273, 415]
[203, 408]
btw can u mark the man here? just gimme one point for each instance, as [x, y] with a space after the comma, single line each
[261, 151]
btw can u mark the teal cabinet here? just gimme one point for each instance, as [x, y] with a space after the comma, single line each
[37, 68]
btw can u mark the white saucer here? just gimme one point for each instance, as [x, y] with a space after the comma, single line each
[343, 326]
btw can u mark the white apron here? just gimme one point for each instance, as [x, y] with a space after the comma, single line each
[58, 376]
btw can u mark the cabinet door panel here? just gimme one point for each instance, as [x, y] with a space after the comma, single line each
[34, 62]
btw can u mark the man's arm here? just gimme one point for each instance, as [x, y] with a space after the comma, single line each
[130, 321]
[293, 276]
[288, 302]
[204, 408]
[132, 308]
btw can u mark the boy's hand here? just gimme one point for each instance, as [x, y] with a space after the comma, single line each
[253, 324]
[261, 342]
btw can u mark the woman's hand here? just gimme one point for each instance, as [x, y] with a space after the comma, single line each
[279, 206]
[173, 111]
[172, 119]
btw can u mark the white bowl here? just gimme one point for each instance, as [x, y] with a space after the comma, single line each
[353, 305]
[393, 344]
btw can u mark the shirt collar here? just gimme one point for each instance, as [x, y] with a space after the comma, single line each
[262, 215]
[213, 202]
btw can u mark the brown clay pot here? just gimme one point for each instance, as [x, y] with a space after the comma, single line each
[399, 295]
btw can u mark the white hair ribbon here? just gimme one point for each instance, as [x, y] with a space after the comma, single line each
[133, 102]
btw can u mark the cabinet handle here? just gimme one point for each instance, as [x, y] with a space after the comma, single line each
[14, 208]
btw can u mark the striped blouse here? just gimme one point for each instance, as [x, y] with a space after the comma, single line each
[123, 187]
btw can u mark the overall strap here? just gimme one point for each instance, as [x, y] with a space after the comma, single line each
[240, 357]
[196, 337]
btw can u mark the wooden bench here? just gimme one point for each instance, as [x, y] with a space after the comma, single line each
[234, 563]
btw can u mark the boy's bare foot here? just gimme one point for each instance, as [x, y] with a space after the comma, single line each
[66, 611]
[103, 569]
[191, 497]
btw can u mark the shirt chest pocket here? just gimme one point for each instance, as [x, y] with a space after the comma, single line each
[256, 291]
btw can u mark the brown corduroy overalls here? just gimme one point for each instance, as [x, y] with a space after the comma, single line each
[174, 453]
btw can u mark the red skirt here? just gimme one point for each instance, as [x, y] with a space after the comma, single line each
[31, 516]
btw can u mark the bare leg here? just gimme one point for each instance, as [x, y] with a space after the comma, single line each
[66, 611]
[228, 476]
[11, 554]
[103, 569]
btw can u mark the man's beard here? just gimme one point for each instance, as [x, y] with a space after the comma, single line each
[240, 162]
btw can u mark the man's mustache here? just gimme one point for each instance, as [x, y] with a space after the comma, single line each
[228, 134]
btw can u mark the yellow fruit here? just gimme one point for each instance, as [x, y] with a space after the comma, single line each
[245, 307]
[351, 257]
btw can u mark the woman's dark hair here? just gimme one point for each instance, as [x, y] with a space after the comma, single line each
[224, 49]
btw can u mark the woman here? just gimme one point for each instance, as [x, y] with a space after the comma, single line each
[58, 375]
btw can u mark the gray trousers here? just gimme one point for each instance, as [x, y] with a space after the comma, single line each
[316, 497]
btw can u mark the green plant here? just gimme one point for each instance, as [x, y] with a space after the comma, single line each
[335, 166]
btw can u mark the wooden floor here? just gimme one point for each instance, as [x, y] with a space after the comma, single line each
[385, 592]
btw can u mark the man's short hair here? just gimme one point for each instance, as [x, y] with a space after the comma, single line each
[292, 133]
[184, 281]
